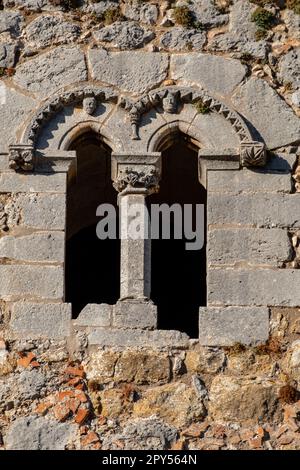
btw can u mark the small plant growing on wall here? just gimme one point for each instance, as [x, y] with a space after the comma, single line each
[264, 21]
[201, 107]
[184, 16]
[111, 15]
[263, 18]
[66, 4]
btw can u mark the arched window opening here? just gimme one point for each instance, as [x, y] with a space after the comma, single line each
[178, 276]
[92, 268]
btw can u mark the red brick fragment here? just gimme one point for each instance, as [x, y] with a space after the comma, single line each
[256, 442]
[90, 438]
[26, 359]
[73, 404]
[75, 381]
[195, 430]
[42, 408]
[75, 371]
[178, 445]
[82, 415]
[61, 412]
[65, 394]
[81, 396]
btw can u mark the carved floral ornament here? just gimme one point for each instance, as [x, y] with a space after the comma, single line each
[21, 157]
[133, 178]
[253, 154]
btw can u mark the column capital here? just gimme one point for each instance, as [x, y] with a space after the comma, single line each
[136, 173]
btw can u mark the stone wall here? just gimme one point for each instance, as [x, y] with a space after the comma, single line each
[110, 380]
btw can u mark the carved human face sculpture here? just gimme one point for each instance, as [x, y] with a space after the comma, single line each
[89, 105]
[170, 102]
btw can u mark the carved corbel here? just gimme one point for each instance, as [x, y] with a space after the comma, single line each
[253, 154]
[21, 157]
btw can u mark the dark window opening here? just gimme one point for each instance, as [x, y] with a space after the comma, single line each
[92, 266]
[178, 276]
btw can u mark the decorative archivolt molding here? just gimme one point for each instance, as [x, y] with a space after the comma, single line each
[88, 96]
[171, 100]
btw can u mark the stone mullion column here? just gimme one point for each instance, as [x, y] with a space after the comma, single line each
[135, 252]
[135, 177]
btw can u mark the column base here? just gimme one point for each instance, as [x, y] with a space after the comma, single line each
[137, 314]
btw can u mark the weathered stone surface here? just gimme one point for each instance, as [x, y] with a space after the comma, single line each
[241, 34]
[124, 35]
[242, 399]
[143, 434]
[249, 180]
[7, 55]
[207, 13]
[292, 20]
[32, 433]
[289, 68]
[145, 13]
[296, 98]
[142, 368]
[14, 109]
[35, 320]
[100, 366]
[217, 74]
[48, 30]
[205, 361]
[47, 72]
[100, 7]
[138, 338]
[11, 21]
[95, 315]
[267, 112]
[135, 314]
[256, 246]
[48, 246]
[295, 355]
[260, 210]
[178, 39]
[227, 326]
[130, 71]
[31, 281]
[254, 287]
[163, 400]
[33, 5]
[44, 211]
[111, 403]
[30, 384]
[32, 183]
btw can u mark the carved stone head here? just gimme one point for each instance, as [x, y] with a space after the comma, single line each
[170, 102]
[89, 105]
